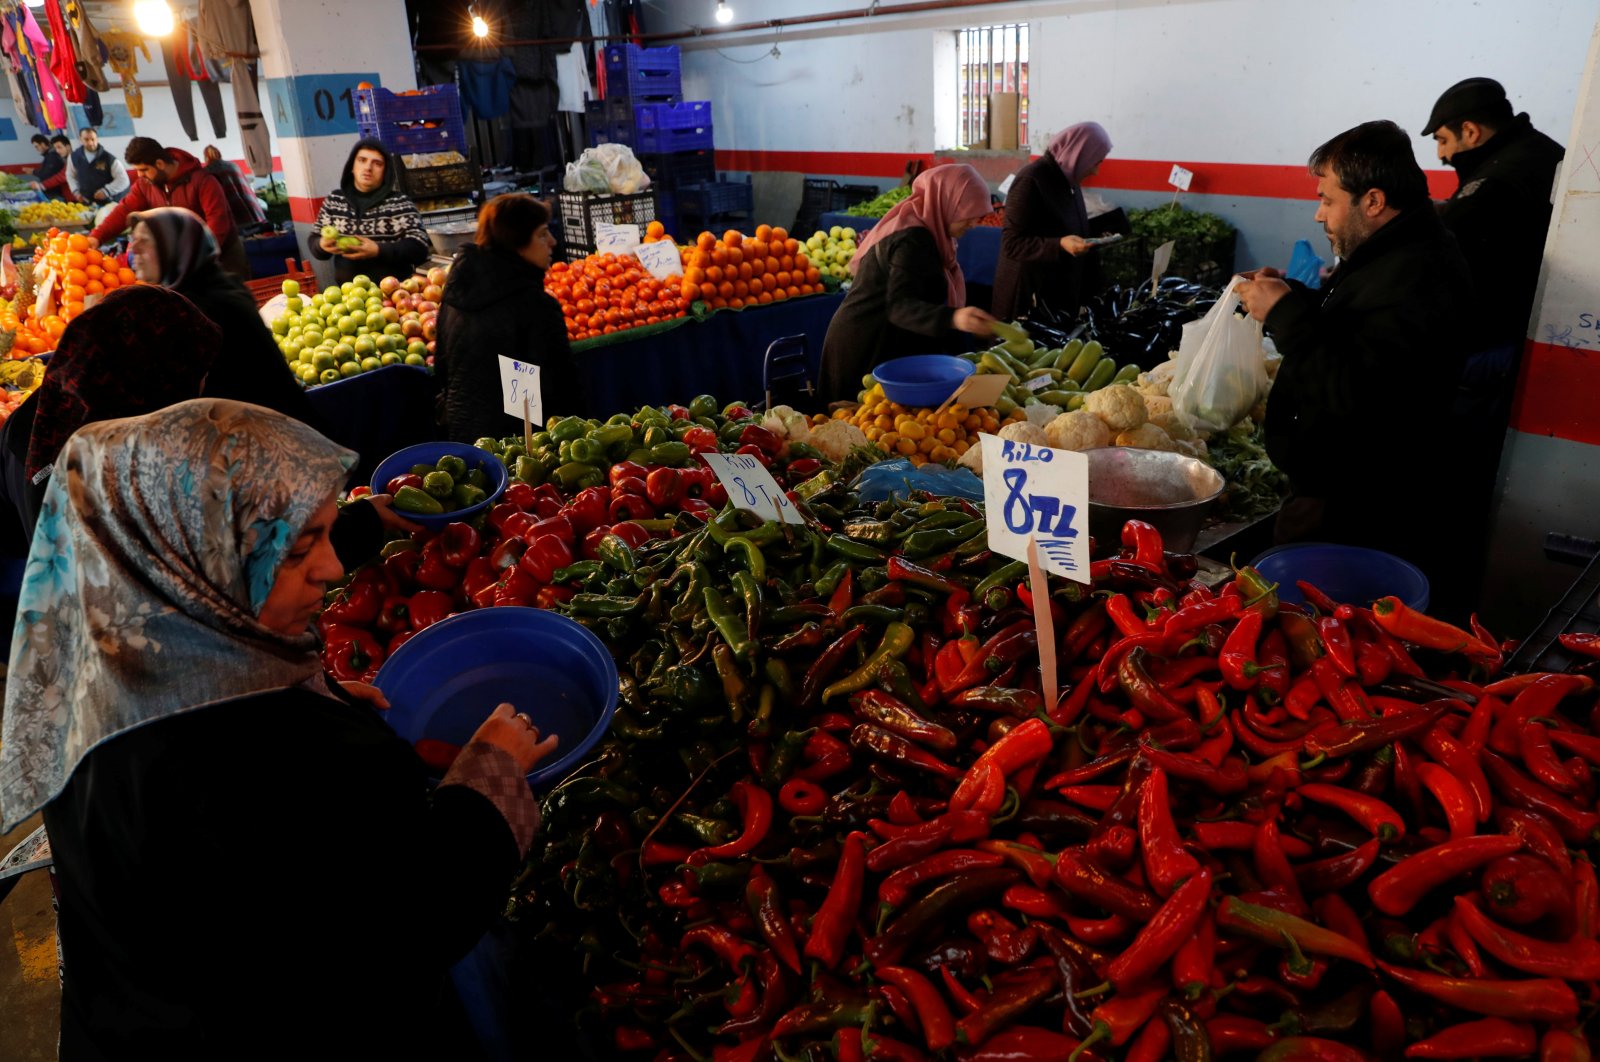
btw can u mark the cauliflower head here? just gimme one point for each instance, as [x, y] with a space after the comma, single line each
[1155, 405]
[1173, 424]
[835, 439]
[1077, 431]
[1023, 431]
[1147, 437]
[972, 460]
[1120, 406]
[1159, 379]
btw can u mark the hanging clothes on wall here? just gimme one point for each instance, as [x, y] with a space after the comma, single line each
[228, 32]
[35, 50]
[185, 64]
[92, 53]
[122, 48]
[22, 94]
[486, 86]
[64, 54]
[572, 80]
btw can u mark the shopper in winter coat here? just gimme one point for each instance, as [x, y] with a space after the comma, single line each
[908, 295]
[1044, 249]
[369, 205]
[217, 811]
[172, 247]
[495, 304]
[171, 177]
[95, 174]
[1357, 415]
[247, 209]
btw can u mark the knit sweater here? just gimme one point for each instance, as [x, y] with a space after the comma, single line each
[392, 223]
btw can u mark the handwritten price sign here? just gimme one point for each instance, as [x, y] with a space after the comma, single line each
[519, 383]
[751, 487]
[1038, 493]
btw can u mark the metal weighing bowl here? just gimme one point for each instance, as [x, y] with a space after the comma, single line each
[1171, 491]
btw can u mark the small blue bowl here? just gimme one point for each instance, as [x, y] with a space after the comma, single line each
[400, 462]
[443, 683]
[923, 379]
[1349, 574]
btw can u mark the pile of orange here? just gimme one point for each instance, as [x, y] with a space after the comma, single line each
[80, 270]
[606, 293]
[738, 271]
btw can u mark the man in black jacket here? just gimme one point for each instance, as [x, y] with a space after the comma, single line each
[1357, 417]
[381, 226]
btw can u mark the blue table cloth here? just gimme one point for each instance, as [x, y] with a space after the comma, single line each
[977, 252]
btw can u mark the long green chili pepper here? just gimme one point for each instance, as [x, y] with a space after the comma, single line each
[1002, 576]
[897, 640]
[736, 690]
[829, 580]
[927, 543]
[748, 586]
[755, 563]
[856, 551]
[727, 624]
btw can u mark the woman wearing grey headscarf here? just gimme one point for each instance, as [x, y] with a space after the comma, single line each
[249, 860]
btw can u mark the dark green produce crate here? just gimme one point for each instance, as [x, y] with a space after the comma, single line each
[1208, 262]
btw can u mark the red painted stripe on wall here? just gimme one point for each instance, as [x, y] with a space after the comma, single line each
[304, 209]
[1139, 175]
[1555, 393]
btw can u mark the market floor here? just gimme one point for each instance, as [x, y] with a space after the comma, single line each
[30, 994]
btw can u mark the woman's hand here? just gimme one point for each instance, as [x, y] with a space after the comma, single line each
[388, 518]
[364, 691]
[512, 731]
[973, 321]
[1076, 245]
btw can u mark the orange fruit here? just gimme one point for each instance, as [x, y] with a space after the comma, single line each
[94, 287]
[772, 264]
[746, 271]
[813, 276]
[76, 260]
[73, 293]
[735, 255]
[725, 290]
[78, 242]
[125, 275]
[779, 234]
[763, 232]
[708, 292]
[766, 298]
[733, 237]
[656, 229]
[779, 294]
[72, 309]
[740, 288]
[791, 246]
[94, 272]
[706, 241]
[77, 276]
[714, 274]
[756, 286]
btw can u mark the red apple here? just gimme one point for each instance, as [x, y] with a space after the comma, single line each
[390, 314]
[436, 276]
[426, 307]
[411, 284]
[429, 330]
[411, 328]
[388, 285]
[432, 293]
[402, 302]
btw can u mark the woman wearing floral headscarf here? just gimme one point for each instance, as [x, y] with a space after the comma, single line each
[1044, 242]
[908, 295]
[248, 861]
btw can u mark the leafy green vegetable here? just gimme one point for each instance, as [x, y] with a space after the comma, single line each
[1176, 222]
[1256, 486]
[877, 208]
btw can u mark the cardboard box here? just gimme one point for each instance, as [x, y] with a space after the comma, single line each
[1003, 120]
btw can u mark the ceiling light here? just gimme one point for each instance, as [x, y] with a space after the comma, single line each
[480, 28]
[154, 17]
[724, 12]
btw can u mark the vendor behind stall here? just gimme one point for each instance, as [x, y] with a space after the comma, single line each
[1045, 255]
[50, 176]
[173, 177]
[1358, 414]
[496, 304]
[381, 228]
[908, 295]
[95, 174]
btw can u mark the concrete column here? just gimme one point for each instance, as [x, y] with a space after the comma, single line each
[313, 56]
[1550, 470]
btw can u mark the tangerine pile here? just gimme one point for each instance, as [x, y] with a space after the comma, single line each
[81, 270]
[606, 293]
[738, 271]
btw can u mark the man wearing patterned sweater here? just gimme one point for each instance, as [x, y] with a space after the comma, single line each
[368, 206]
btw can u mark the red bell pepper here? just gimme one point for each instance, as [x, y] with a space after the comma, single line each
[480, 574]
[458, 544]
[665, 487]
[543, 557]
[626, 470]
[427, 607]
[353, 655]
[630, 507]
[634, 534]
[433, 573]
[401, 569]
[763, 440]
[519, 494]
[587, 510]
[357, 604]
[405, 479]
[701, 439]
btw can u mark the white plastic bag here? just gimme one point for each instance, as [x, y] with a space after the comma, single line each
[624, 174]
[588, 174]
[1221, 369]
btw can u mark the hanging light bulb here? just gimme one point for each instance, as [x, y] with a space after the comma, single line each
[154, 17]
[724, 12]
[480, 28]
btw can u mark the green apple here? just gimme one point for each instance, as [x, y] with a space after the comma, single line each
[350, 368]
[329, 232]
[347, 325]
[344, 352]
[389, 357]
[835, 233]
[368, 364]
[291, 288]
[308, 375]
[392, 329]
[417, 347]
[416, 359]
[329, 375]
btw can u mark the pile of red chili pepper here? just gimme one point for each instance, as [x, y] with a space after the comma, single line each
[836, 819]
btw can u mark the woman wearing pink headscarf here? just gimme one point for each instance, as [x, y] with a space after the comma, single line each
[908, 295]
[1042, 247]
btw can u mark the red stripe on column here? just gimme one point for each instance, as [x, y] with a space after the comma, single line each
[1139, 175]
[303, 209]
[1556, 390]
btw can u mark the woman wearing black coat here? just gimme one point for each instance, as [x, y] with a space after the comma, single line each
[1045, 239]
[494, 304]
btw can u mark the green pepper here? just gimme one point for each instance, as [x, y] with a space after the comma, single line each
[945, 518]
[693, 597]
[466, 495]
[541, 439]
[872, 614]
[829, 580]
[749, 591]
[489, 443]
[440, 485]
[612, 434]
[783, 757]
[650, 416]
[727, 624]
[587, 450]
[1004, 575]
[412, 500]
[877, 532]
[688, 686]
[453, 465]
[870, 579]
[754, 562]
[656, 435]
[777, 672]
[729, 433]
[669, 453]
[897, 640]
[511, 451]
[478, 478]
[736, 690]
[639, 455]
[709, 831]
[760, 725]
[579, 571]
[856, 551]
[422, 470]
[926, 543]
[604, 606]
[616, 553]
[702, 406]
[568, 476]
[565, 429]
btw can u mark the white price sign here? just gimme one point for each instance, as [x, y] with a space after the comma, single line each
[751, 487]
[1179, 178]
[519, 383]
[1158, 266]
[1041, 494]
[615, 239]
[662, 259]
[1040, 383]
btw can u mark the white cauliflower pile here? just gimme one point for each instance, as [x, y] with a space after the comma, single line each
[1147, 437]
[1158, 380]
[1120, 406]
[833, 439]
[1078, 430]
[1020, 431]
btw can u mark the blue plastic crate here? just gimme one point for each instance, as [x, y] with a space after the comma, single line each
[690, 114]
[616, 109]
[675, 170]
[446, 135]
[715, 198]
[432, 103]
[672, 141]
[643, 73]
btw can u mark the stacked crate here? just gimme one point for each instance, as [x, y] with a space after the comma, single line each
[645, 109]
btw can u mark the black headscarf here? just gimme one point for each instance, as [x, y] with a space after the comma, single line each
[365, 201]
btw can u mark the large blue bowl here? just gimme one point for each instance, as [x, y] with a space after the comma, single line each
[922, 379]
[429, 453]
[443, 683]
[1349, 574]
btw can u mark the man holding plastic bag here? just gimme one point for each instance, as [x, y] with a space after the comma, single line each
[1358, 414]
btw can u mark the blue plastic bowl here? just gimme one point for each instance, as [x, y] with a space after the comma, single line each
[443, 683]
[429, 453]
[1351, 574]
[923, 379]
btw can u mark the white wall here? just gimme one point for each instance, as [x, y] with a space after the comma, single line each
[1231, 81]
